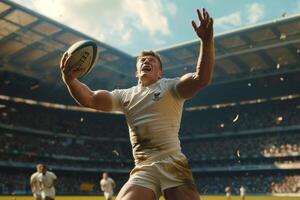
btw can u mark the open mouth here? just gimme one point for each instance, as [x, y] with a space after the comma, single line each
[146, 68]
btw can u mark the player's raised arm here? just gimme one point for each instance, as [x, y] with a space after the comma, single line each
[192, 83]
[100, 99]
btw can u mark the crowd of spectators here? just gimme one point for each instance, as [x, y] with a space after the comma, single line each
[276, 113]
[284, 144]
[257, 183]
[65, 138]
[64, 151]
[232, 118]
[289, 184]
[75, 123]
[91, 152]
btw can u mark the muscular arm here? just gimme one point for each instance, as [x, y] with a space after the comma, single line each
[113, 184]
[190, 84]
[54, 182]
[31, 185]
[101, 186]
[99, 100]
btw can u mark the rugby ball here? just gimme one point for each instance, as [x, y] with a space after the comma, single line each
[82, 56]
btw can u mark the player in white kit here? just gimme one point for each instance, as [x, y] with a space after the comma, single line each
[153, 111]
[243, 192]
[228, 192]
[107, 185]
[47, 181]
[34, 183]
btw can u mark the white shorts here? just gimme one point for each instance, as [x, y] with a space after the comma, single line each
[108, 195]
[48, 192]
[37, 195]
[165, 173]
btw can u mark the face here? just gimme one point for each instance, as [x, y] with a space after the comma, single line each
[39, 168]
[105, 175]
[148, 69]
[44, 169]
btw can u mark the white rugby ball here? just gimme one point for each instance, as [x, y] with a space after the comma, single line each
[83, 56]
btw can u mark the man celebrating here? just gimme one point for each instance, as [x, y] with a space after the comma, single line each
[107, 185]
[153, 111]
[34, 183]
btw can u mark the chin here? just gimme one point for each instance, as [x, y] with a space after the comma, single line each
[145, 75]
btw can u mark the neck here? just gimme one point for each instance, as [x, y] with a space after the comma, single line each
[146, 83]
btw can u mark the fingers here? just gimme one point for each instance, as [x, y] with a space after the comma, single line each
[64, 63]
[204, 17]
[67, 61]
[63, 59]
[207, 18]
[194, 25]
[77, 71]
[210, 23]
[200, 16]
[67, 68]
[205, 28]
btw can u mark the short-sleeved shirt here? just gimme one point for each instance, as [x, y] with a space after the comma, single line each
[34, 182]
[47, 179]
[107, 185]
[153, 116]
[242, 191]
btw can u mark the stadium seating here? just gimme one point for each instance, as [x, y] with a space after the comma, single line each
[72, 140]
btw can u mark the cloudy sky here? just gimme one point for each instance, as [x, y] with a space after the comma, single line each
[134, 25]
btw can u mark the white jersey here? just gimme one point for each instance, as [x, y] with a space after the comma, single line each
[107, 185]
[47, 184]
[153, 116]
[242, 191]
[35, 183]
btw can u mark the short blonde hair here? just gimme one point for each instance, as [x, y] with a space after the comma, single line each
[150, 53]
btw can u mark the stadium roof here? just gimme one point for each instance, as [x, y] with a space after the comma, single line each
[268, 47]
[32, 45]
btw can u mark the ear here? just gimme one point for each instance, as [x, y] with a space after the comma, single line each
[160, 74]
[136, 74]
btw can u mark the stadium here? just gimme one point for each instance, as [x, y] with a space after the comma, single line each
[243, 129]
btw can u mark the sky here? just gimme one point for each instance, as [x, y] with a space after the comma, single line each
[135, 25]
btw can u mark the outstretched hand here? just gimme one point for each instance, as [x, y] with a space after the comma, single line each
[205, 29]
[69, 72]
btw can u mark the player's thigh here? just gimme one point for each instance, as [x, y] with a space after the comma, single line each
[135, 192]
[181, 193]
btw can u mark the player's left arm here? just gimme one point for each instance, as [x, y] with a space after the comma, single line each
[54, 179]
[190, 84]
[54, 182]
[101, 186]
[113, 183]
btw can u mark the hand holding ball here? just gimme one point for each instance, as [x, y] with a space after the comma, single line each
[79, 59]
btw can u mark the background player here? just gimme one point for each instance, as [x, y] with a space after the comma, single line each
[47, 181]
[243, 192]
[228, 192]
[34, 183]
[107, 185]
